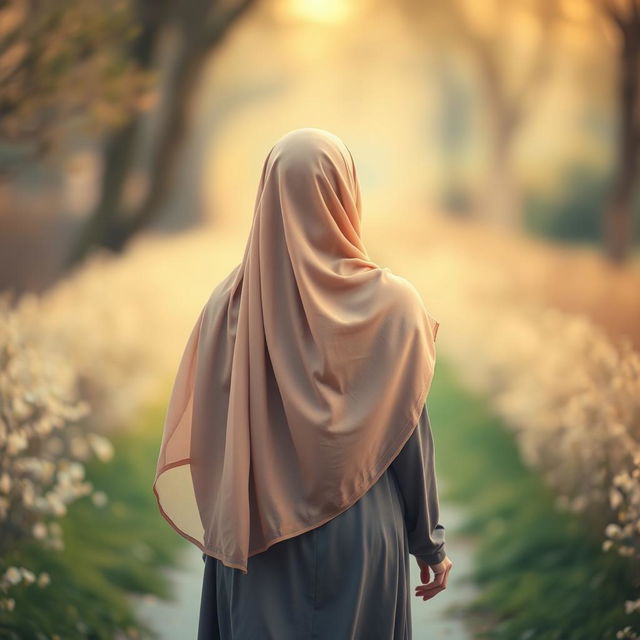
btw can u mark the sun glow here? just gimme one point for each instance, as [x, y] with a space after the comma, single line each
[328, 11]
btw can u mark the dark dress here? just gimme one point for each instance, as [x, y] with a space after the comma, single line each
[347, 579]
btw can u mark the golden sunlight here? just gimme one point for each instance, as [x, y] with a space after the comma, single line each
[328, 11]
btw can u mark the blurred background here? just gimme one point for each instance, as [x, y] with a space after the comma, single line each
[497, 146]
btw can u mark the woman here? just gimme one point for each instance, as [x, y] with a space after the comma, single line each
[297, 452]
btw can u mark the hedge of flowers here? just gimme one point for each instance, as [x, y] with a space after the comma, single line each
[44, 441]
[570, 392]
[77, 362]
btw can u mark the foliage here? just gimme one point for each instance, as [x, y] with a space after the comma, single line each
[63, 63]
[43, 445]
[540, 571]
[111, 548]
[75, 347]
[77, 533]
[576, 213]
[569, 393]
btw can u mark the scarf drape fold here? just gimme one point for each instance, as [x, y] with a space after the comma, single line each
[306, 370]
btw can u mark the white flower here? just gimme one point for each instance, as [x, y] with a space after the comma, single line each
[612, 530]
[101, 446]
[29, 576]
[21, 409]
[12, 575]
[76, 471]
[28, 493]
[44, 426]
[615, 498]
[16, 442]
[46, 470]
[79, 448]
[5, 483]
[99, 498]
[631, 605]
[63, 477]
[39, 530]
[56, 505]
[82, 489]
[40, 504]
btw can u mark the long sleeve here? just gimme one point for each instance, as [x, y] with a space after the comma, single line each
[414, 469]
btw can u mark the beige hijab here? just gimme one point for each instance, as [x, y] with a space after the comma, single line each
[305, 373]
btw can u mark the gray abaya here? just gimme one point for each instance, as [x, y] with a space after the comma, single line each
[347, 579]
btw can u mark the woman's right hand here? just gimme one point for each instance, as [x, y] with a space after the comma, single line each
[431, 587]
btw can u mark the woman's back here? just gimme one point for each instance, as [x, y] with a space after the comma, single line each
[303, 380]
[346, 579]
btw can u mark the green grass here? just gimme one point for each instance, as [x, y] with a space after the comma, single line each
[108, 551]
[541, 572]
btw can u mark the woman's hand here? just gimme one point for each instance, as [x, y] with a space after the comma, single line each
[429, 587]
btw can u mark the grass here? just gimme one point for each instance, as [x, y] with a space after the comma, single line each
[541, 573]
[109, 551]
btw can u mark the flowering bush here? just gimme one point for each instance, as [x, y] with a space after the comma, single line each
[43, 439]
[75, 366]
[570, 393]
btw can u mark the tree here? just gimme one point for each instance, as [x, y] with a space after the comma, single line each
[63, 65]
[624, 16]
[198, 27]
[508, 96]
[509, 81]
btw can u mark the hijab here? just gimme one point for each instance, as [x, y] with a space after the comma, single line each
[306, 371]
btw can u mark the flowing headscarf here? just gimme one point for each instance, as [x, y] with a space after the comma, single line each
[305, 373]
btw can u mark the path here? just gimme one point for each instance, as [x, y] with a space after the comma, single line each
[435, 619]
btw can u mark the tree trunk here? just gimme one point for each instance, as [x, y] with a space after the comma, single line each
[618, 216]
[198, 37]
[181, 88]
[502, 203]
[101, 225]
[99, 228]
[201, 26]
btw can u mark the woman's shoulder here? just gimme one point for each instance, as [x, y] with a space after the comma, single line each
[403, 293]
[224, 286]
[408, 305]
